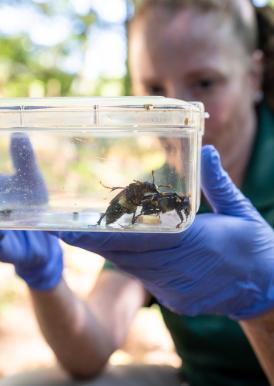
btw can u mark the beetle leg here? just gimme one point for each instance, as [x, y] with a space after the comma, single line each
[116, 187]
[134, 217]
[113, 188]
[181, 218]
[101, 218]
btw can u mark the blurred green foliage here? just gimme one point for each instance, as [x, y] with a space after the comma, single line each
[31, 69]
[28, 68]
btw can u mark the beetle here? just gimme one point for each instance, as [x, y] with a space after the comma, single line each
[157, 203]
[128, 199]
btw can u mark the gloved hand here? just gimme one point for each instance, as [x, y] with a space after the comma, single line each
[26, 186]
[223, 264]
[36, 256]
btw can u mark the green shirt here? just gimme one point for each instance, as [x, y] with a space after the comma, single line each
[214, 350]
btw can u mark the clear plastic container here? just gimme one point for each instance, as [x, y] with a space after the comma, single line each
[100, 164]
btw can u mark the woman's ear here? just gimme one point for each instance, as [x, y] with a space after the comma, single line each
[256, 74]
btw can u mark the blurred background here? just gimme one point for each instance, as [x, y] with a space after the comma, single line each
[66, 47]
[63, 48]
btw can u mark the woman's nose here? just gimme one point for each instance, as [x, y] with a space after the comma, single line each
[179, 91]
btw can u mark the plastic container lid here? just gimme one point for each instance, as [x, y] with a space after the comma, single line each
[127, 113]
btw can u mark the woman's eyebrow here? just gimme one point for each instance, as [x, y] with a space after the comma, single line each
[204, 71]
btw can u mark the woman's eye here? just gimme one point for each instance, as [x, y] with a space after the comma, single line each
[156, 90]
[206, 83]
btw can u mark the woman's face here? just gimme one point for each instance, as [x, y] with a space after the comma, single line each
[196, 57]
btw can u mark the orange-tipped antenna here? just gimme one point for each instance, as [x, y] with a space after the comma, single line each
[153, 179]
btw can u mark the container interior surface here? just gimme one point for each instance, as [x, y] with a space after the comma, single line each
[90, 164]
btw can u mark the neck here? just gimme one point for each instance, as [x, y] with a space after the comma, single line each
[242, 152]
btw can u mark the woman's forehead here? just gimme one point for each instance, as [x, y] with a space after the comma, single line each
[240, 14]
[187, 25]
[188, 37]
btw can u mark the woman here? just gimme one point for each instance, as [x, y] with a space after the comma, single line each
[195, 50]
[212, 51]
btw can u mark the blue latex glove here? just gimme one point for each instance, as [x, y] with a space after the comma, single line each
[36, 256]
[26, 186]
[223, 264]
